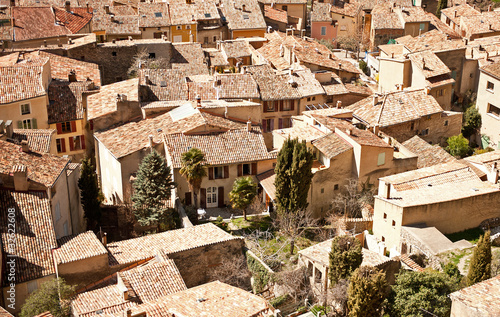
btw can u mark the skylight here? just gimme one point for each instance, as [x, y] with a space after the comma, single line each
[158, 14]
[182, 112]
[245, 16]
[208, 15]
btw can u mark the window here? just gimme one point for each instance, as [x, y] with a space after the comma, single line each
[269, 106]
[493, 110]
[323, 30]
[215, 38]
[27, 124]
[308, 98]
[385, 216]
[383, 239]
[422, 27]
[158, 15]
[58, 212]
[322, 190]
[284, 8]
[381, 159]
[77, 144]
[25, 109]
[446, 123]
[287, 105]
[152, 55]
[336, 187]
[314, 98]
[178, 27]
[208, 15]
[245, 17]
[211, 196]
[218, 172]
[393, 223]
[490, 86]
[205, 40]
[424, 132]
[113, 53]
[66, 127]
[188, 27]
[268, 125]
[32, 286]
[247, 169]
[412, 126]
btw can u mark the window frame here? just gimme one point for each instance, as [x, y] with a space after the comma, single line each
[249, 168]
[23, 113]
[27, 123]
[323, 31]
[488, 84]
[495, 114]
[218, 175]
[64, 126]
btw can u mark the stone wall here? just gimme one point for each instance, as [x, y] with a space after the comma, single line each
[380, 37]
[414, 246]
[84, 272]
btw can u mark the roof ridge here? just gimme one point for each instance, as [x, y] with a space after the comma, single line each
[382, 109]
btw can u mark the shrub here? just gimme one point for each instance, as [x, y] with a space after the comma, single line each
[364, 67]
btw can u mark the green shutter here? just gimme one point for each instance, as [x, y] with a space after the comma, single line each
[33, 124]
[19, 124]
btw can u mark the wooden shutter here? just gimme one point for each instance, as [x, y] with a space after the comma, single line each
[292, 105]
[264, 125]
[63, 145]
[210, 173]
[265, 107]
[187, 199]
[281, 105]
[271, 124]
[73, 126]
[226, 171]
[221, 197]
[33, 124]
[254, 168]
[240, 170]
[59, 128]
[203, 198]
[71, 143]
[280, 123]
[82, 141]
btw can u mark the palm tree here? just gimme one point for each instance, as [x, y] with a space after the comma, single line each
[243, 192]
[193, 162]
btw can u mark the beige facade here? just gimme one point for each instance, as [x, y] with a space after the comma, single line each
[346, 25]
[85, 271]
[394, 72]
[26, 114]
[21, 292]
[488, 105]
[155, 32]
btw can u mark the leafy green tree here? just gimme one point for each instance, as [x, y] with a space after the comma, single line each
[91, 196]
[366, 292]
[293, 176]
[442, 4]
[193, 169]
[152, 189]
[243, 193]
[480, 264]
[451, 269]
[458, 146]
[472, 121]
[53, 296]
[414, 293]
[345, 257]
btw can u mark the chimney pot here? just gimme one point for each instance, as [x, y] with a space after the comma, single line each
[244, 7]
[72, 76]
[455, 13]
[67, 5]
[489, 8]
[104, 239]
[249, 125]
[339, 104]
[20, 174]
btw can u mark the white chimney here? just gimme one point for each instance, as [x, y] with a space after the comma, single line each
[428, 90]
[151, 142]
[339, 104]
[376, 129]
[493, 174]
[249, 125]
[348, 131]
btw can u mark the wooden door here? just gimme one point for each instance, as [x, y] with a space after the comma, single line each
[221, 197]
[187, 199]
[203, 198]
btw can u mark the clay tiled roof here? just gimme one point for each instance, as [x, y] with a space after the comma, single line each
[78, 247]
[283, 1]
[461, 10]
[271, 51]
[331, 145]
[36, 23]
[385, 18]
[436, 23]
[39, 140]
[349, 8]
[215, 299]
[35, 237]
[238, 19]
[189, 58]
[492, 69]
[271, 85]
[307, 84]
[5, 313]
[429, 64]
[428, 155]
[22, 81]
[487, 22]
[173, 241]
[42, 168]
[108, 298]
[74, 20]
[266, 180]
[65, 100]
[357, 89]
[60, 67]
[216, 57]
[182, 13]
[303, 132]
[412, 14]
[104, 102]
[396, 107]
[116, 24]
[434, 40]
[45, 314]
[235, 146]
[153, 14]
[236, 49]
[237, 86]
[483, 297]
[321, 12]
[163, 84]
[275, 14]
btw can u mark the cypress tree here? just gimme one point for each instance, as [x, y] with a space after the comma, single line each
[152, 189]
[480, 264]
[345, 257]
[293, 176]
[366, 292]
[91, 196]
[442, 4]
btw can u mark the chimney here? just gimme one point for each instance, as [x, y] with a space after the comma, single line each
[151, 142]
[25, 146]
[20, 174]
[104, 239]
[146, 79]
[112, 18]
[340, 65]
[376, 129]
[490, 27]
[123, 97]
[339, 104]
[493, 174]
[423, 63]
[387, 191]
[392, 55]
[249, 125]
[302, 33]
[59, 44]
[489, 8]
[45, 43]
[129, 312]
[88, 9]
[375, 99]
[72, 76]
[348, 131]
[244, 7]
[466, 41]
[113, 41]
[192, 18]
[234, 4]
[455, 13]
[9, 128]
[428, 90]
[198, 101]
[67, 6]
[106, 8]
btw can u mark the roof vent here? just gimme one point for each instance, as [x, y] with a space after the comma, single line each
[163, 83]
[199, 300]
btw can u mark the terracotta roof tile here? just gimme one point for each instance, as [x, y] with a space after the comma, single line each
[321, 12]
[60, 67]
[237, 86]
[236, 48]
[74, 20]
[104, 102]
[348, 8]
[108, 298]
[189, 58]
[266, 180]
[492, 69]
[78, 247]
[396, 107]
[434, 40]
[35, 237]
[216, 57]
[283, 1]
[412, 14]
[304, 132]
[483, 297]
[22, 81]
[153, 14]
[219, 299]
[42, 168]
[39, 140]
[429, 64]
[65, 100]
[238, 19]
[461, 10]
[271, 51]
[116, 24]
[36, 23]
[441, 26]
[235, 146]
[163, 84]
[275, 14]
[271, 85]
[383, 17]
[173, 241]
[5, 313]
[331, 145]
[428, 155]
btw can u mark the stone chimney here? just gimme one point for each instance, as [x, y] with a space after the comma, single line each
[25, 146]
[375, 99]
[198, 101]
[493, 174]
[9, 128]
[72, 76]
[106, 8]
[88, 8]
[112, 18]
[104, 239]
[376, 129]
[489, 8]
[428, 90]
[20, 174]
[244, 7]
[249, 125]
[67, 5]
[339, 104]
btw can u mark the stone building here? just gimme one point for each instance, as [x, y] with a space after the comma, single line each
[488, 105]
[322, 25]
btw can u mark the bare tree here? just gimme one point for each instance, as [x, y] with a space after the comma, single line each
[233, 272]
[294, 224]
[296, 283]
[257, 242]
[143, 60]
[352, 201]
